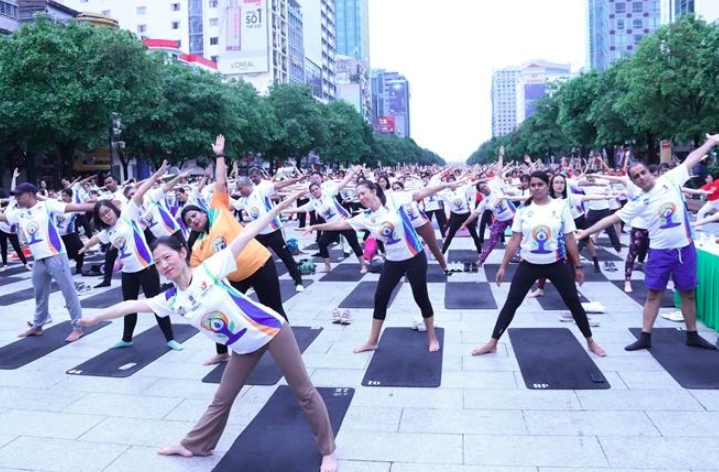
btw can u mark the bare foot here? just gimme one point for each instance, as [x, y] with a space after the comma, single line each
[31, 332]
[537, 293]
[175, 450]
[627, 287]
[433, 345]
[325, 270]
[491, 346]
[329, 463]
[363, 270]
[365, 347]
[217, 359]
[594, 347]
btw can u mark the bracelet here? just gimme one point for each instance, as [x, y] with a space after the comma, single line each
[220, 155]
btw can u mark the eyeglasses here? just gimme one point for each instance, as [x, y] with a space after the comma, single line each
[104, 212]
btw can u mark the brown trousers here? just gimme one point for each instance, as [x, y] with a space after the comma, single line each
[203, 438]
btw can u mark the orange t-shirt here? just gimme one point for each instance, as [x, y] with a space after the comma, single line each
[223, 229]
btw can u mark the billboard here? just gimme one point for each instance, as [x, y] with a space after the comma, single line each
[386, 124]
[397, 98]
[243, 37]
[532, 92]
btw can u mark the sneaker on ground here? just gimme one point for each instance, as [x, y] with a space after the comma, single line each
[346, 317]
[300, 288]
[336, 316]
[418, 325]
[566, 317]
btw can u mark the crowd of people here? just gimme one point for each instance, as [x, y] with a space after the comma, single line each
[185, 244]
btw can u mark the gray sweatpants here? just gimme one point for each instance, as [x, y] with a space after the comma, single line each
[43, 271]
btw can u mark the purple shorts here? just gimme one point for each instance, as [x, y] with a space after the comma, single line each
[680, 263]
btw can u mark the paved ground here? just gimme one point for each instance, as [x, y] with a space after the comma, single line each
[482, 418]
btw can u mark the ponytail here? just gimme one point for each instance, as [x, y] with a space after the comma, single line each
[377, 189]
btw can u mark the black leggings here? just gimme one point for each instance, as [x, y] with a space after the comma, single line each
[4, 237]
[638, 246]
[416, 271]
[525, 276]
[149, 280]
[441, 219]
[276, 242]
[73, 244]
[485, 221]
[594, 216]
[267, 288]
[328, 236]
[110, 257]
[455, 221]
[302, 217]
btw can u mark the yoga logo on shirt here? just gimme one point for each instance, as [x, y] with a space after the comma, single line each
[254, 213]
[457, 202]
[218, 244]
[220, 324]
[411, 214]
[386, 229]
[120, 244]
[541, 235]
[149, 221]
[328, 214]
[666, 214]
[32, 229]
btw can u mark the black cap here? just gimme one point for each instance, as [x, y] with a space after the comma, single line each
[25, 187]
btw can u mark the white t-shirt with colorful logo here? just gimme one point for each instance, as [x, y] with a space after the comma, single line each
[65, 223]
[393, 228]
[157, 216]
[327, 206]
[257, 204]
[663, 211]
[543, 228]
[38, 229]
[218, 310]
[503, 210]
[128, 238]
[404, 200]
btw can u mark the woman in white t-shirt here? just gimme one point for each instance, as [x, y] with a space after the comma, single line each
[544, 231]
[122, 231]
[204, 297]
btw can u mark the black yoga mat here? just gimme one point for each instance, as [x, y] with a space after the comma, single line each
[591, 276]
[5, 281]
[640, 291]
[281, 268]
[403, 360]
[23, 295]
[13, 270]
[553, 301]
[103, 300]
[604, 254]
[363, 296]
[691, 367]
[30, 349]
[490, 271]
[287, 289]
[266, 371]
[343, 273]
[468, 295]
[553, 359]
[462, 255]
[279, 437]
[147, 347]
[435, 274]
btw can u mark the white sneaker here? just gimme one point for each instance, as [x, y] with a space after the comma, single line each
[593, 307]
[336, 317]
[299, 288]
[3, 268]
[673, 316]
[566, 317]
[594, 323]
[418, 325]
[346, 317]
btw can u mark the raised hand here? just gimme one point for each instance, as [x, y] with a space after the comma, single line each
[219, 146]
[16, 173]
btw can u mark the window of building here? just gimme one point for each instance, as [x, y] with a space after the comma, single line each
[620, 8]
[214, 21]
[175, 25]
[620, 23]
[175, 7]
[637, 23]
[213, 3]
[638, 7]
[141, 28]
[8, 9]
[106, 12]
[637, 38]
[141, 10]
[215, 59]
[214, 41]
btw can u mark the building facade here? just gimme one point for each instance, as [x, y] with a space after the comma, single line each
[352, 24]
[616, 27]
[504, 100]
[320, 41]
[674, 9]
[353, 85]
[9, 16]
[295, 31]
[390, 103]
[533, 83]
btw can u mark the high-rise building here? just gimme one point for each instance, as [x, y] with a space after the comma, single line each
[320, 43]
[296, 41]
[390, 103]
[674, 9]
[352, 84]
[504, 100]
[533, 83]
[246, 38]
[352, 23]
[617, 26]
[9, 16]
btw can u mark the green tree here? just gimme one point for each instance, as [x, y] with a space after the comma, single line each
[347, 141]
[575, 98]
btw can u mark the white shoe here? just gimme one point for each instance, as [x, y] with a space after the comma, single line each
[336, 317]
[566, 317]
[299, 288]
[346, 317]
[593, 322]
[593, 307]
[3, 268]
[418, 325]
[673, 316]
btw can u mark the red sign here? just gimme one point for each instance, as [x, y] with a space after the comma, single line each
[386, 124]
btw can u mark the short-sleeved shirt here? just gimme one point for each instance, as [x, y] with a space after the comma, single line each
[663, 211]
[218, 310]
[456, 199]
[66, 223]
[327, 206]
[129, 239]
[223, 229]
[257, 204]
[404, 200]
[543, 228]
[393, 228]
[713, 188]
[503, 210]
[37, 227]
[157, 215]
[6, 227]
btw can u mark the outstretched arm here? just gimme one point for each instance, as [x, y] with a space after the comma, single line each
[117, 311]
[697, 155]
[147, 184]
[598, 226]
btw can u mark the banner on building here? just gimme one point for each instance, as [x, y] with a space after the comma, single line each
[386, 124]
[398, 98]
[532, 93]
[243, 37]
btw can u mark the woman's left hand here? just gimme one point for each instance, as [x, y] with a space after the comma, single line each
[579, 276]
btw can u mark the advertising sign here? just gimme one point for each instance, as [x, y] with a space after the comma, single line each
[243, 37]
[398, 98]
[386, 124]
[532, 92]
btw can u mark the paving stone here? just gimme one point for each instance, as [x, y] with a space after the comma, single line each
[424, 420]
[127, 406]
[45, 424]
[642, 400]
[59, 455]
[521, 400]
[533, 451]
[686, 424]
[589, 423]
[676, 453]
[140, 459]
[392, 447]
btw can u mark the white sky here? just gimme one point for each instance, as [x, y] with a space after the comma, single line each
[447, 51]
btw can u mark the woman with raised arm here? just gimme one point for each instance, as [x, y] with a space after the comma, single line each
[121, 230]
[203, 296]
[544, 231]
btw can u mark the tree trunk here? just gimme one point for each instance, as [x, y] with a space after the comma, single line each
[123, 164]
[652, 154]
